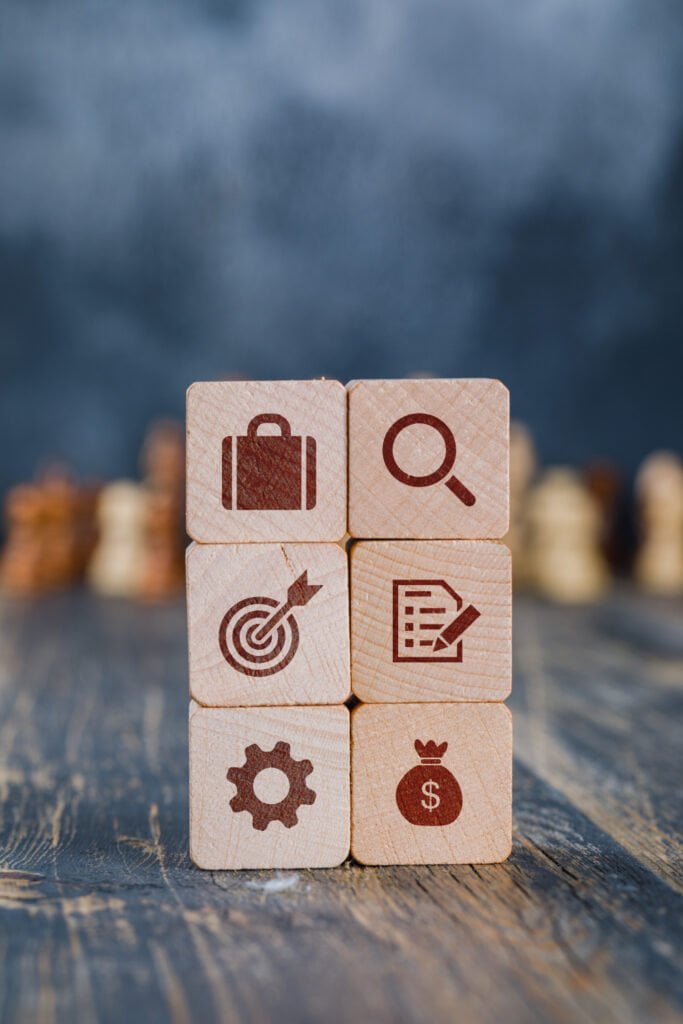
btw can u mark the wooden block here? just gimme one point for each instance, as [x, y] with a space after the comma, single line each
[269, 787]
[431, 621]
[428, 458]
[449, 803]
[297, 594]
[266, 461]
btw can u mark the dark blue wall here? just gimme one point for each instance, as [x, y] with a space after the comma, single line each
[193, 189]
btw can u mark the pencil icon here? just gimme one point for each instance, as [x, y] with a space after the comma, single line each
[456, 628]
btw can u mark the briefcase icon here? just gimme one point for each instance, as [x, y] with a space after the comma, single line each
[269, 471]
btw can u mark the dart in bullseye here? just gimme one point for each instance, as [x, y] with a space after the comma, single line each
[299, 594]
[259, 635]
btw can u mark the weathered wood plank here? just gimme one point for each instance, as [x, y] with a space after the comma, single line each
[103, 917]
[600, 720]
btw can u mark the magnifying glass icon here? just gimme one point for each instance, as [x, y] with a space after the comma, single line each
[454, 485]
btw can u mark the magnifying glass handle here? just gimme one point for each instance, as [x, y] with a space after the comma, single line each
[460, 491]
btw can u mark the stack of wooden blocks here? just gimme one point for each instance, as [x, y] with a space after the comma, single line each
[412, 477]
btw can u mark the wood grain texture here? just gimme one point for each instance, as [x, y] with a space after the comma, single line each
[269, 787]
[474, 773]
[384, 575]
[103, 917]
[222, 576]
[314, 409]
[476, 415]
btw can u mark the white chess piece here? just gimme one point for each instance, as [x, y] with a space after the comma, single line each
[659, 490]
[565, 561]
[522, 471]
[118, 560]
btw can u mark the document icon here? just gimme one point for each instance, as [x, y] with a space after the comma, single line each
[429, 620]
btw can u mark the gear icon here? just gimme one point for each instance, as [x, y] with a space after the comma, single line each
[243, 779]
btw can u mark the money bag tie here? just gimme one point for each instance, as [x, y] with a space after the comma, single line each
[429, 794]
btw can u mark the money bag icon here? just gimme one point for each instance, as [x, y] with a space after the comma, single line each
[429, 794]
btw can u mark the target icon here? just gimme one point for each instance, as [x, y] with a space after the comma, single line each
[259, 636]
[244, 650]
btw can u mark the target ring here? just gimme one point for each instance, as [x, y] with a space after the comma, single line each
[240, 646]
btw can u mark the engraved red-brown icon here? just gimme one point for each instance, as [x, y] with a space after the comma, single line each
[455, 486]
[428, 620]
[429, 794]
[285, 811]
[259, 636]
[269, 471]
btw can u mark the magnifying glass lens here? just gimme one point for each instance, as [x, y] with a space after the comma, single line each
[426, 480]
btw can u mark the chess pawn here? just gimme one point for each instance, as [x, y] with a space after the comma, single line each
[163, 457]
[117, 564]
[659, 491]
[522, 460]
[21, 568]
[85, 526]
[565, 560]
[163, 464]
[522, 470]
[604, 483]
[163, 571]
[60, 529]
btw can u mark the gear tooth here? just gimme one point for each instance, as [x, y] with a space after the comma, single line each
[243, 779]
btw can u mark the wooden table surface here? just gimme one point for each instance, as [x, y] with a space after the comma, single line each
[103, 917]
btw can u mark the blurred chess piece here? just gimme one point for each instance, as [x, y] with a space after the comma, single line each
[565, 560]
[50, 532]
[522, 470]
[21, 569]
[604, 483]
[163, 464]
[59, 498]
[85, 527]
[163, 568]
[659, 491]
[117, 564]
[163, 457]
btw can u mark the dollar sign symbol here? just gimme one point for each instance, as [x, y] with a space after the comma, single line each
[430, 790]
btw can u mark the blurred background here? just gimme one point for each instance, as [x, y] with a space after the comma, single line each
[204, 189]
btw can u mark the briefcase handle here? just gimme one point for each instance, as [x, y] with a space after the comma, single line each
[269, 417]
